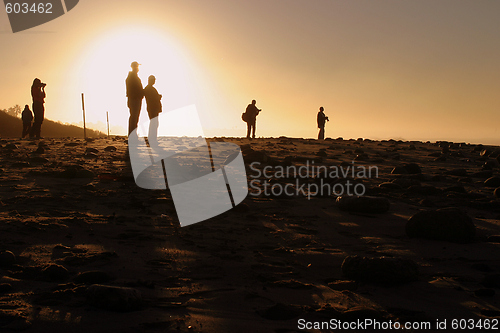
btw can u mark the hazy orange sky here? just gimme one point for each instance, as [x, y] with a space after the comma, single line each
[414, 70]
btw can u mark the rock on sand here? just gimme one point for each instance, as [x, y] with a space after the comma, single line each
[114, 298]
[448, 224]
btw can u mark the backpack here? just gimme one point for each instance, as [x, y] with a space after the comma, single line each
[244, 117]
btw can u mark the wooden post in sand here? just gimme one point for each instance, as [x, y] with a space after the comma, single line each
[107, 120]
[84, 128]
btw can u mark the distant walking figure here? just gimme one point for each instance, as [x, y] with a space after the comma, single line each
[251, 117]
[322, 119]
[135, 94]
[38, 95]
[153, 101]
[27, 117]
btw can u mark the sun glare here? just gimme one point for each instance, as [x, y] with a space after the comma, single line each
[107, 63]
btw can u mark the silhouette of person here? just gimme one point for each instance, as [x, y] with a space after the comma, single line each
[38, 95]
[27, 118]
[135, 94]
[322, 119]
[252, 113]
[153, 101]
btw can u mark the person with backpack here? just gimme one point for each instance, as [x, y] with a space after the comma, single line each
[322, 119]
[250, 116]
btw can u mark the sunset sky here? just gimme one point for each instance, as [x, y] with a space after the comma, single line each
[413, 70]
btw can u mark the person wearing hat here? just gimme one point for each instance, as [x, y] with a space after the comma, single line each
[135, 93]
[322, 119]
[38, 95]
[153, 102]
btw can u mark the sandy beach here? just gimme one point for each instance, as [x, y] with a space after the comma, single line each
[84, 249]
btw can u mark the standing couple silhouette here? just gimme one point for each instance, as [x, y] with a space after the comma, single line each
[135, 94]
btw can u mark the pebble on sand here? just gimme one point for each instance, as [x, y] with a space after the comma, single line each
[55, 272]
[7, 258]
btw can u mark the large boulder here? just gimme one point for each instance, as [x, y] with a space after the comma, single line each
[381, 270]
[363, 204]
[449, 224]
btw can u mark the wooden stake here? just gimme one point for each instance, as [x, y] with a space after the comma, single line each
[84, 127]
